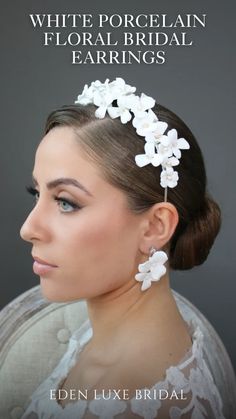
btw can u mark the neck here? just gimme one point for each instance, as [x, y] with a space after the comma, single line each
[115, 314]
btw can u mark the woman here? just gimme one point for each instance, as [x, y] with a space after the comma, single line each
[120, 189]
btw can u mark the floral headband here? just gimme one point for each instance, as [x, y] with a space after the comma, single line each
[161, 147]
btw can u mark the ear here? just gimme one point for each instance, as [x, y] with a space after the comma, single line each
[159, 224]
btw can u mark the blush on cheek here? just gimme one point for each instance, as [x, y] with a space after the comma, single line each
[99, 263]
[103, 240]
[115, 258]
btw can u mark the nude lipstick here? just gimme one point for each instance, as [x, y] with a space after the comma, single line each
[41, 267]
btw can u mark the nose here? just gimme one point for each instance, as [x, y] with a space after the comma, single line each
[35, 226]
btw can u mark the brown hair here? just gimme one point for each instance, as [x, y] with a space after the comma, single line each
[113, 146]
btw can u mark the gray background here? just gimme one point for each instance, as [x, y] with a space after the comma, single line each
[196, 82]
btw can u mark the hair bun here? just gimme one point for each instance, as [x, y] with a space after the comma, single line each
[194, 243]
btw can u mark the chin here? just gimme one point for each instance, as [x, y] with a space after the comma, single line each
[52, 293]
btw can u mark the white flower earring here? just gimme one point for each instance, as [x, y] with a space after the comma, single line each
[153, 269]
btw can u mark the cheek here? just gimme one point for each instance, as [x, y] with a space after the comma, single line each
[100, 250]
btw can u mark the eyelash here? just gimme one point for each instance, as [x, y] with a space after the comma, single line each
[75, 207]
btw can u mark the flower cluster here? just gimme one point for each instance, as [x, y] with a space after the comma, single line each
[161, 147]
[152, 270]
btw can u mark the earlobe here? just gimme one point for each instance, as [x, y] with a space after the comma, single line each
[161, 222]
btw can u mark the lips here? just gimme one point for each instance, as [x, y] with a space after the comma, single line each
[42, 267]
[43, 262]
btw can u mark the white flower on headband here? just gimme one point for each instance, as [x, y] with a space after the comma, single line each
[145, 123]
[169, 178]
[122, 109]
[119, 87]
[102, 98]
[149, 157]
[170, 161]
[86, 96]
[155, 135]
[160, 147]
[165, 151]
[142, 104]
[171, 140]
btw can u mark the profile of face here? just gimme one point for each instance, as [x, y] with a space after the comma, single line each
[80, 223]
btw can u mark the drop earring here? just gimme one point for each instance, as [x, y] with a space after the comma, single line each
[153, 269]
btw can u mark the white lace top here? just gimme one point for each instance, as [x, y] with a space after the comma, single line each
[187, 391]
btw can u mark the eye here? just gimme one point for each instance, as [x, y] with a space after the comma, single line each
[33, 192]
[66, 205]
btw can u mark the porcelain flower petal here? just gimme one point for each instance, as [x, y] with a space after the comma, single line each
[150, 156]
[94, 93]
[157, 133]
[150, 115]
[159, 257]
[141, 276]
[157, 272]
[157, 265]
[164, 151]
[86, 96]
[165, 141]
[183, 144]
[145, 267]
[145, 123]
[102, 102]
[122, 109]
[146, 280]
[104, 99]
[170, 162]
[143, 103]
[142, 160]
[146, 284]
[125, 116]
[119, 87]
[123, 113]
[113, 111]
[149, 149]
[101, 112]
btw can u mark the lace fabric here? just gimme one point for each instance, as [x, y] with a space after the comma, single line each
[188, 390]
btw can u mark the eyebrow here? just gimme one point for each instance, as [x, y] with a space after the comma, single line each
[63, 181]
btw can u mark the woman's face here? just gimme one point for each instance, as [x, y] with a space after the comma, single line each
[82, 226]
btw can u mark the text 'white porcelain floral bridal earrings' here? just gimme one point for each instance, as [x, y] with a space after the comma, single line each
[153, 269]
